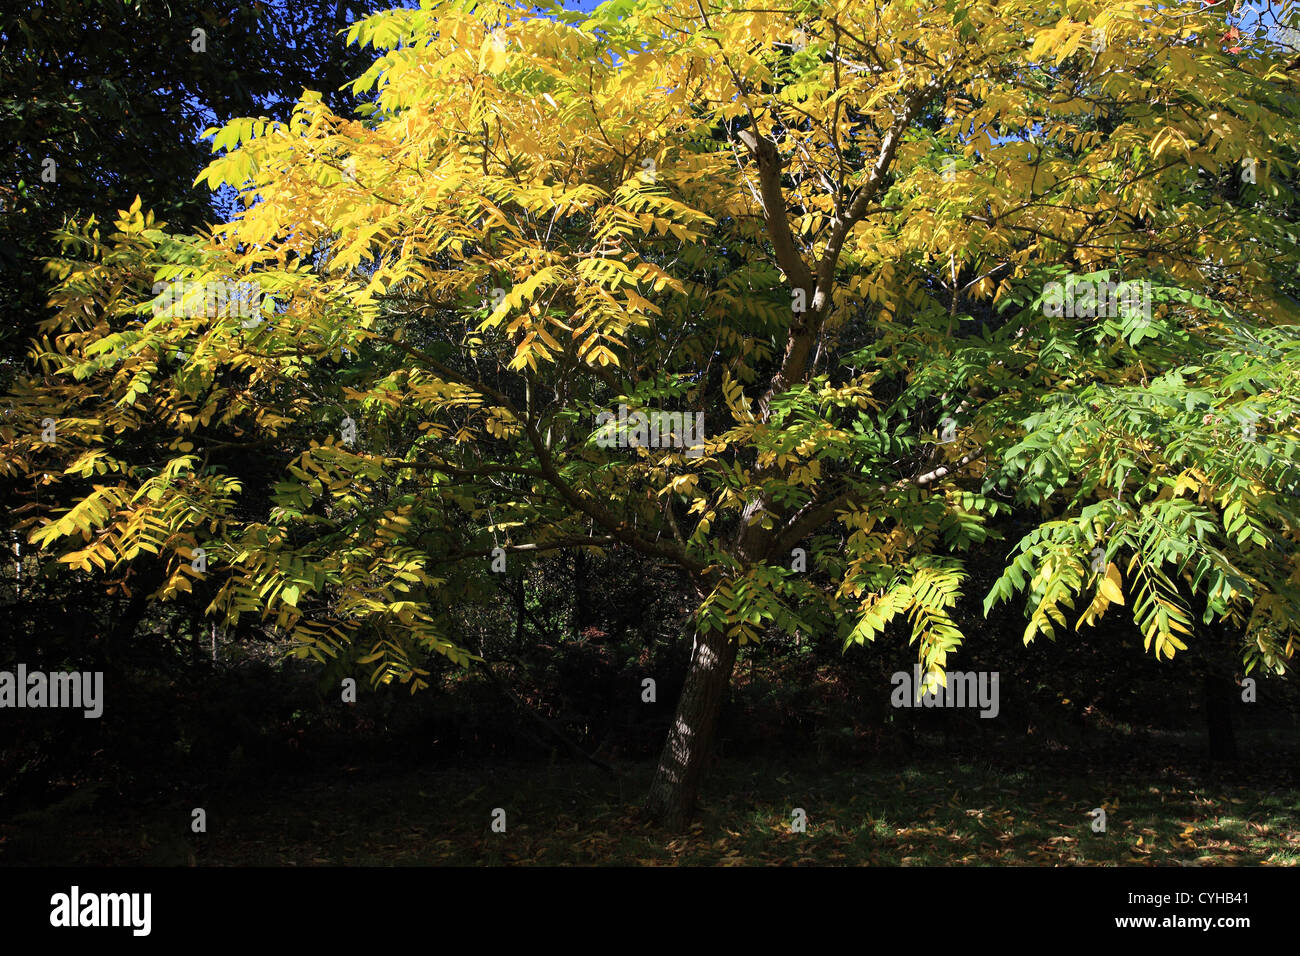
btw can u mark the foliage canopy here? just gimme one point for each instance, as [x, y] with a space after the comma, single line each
[833, 229]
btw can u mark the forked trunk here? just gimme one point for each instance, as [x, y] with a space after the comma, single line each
[690, 738]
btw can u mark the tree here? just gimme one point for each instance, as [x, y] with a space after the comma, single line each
[103, 100]
[100, 101]
[932, 273]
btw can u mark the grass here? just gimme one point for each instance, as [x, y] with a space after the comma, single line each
[930, 812]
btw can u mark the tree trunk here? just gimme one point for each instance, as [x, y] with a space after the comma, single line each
[116, 646]
[581, 601]
[1216, 698]
[521, 606]
[690, 738]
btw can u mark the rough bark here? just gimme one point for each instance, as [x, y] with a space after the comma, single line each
[690, 738]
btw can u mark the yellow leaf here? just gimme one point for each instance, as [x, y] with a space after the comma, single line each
[492, 56]
[1110, 585]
